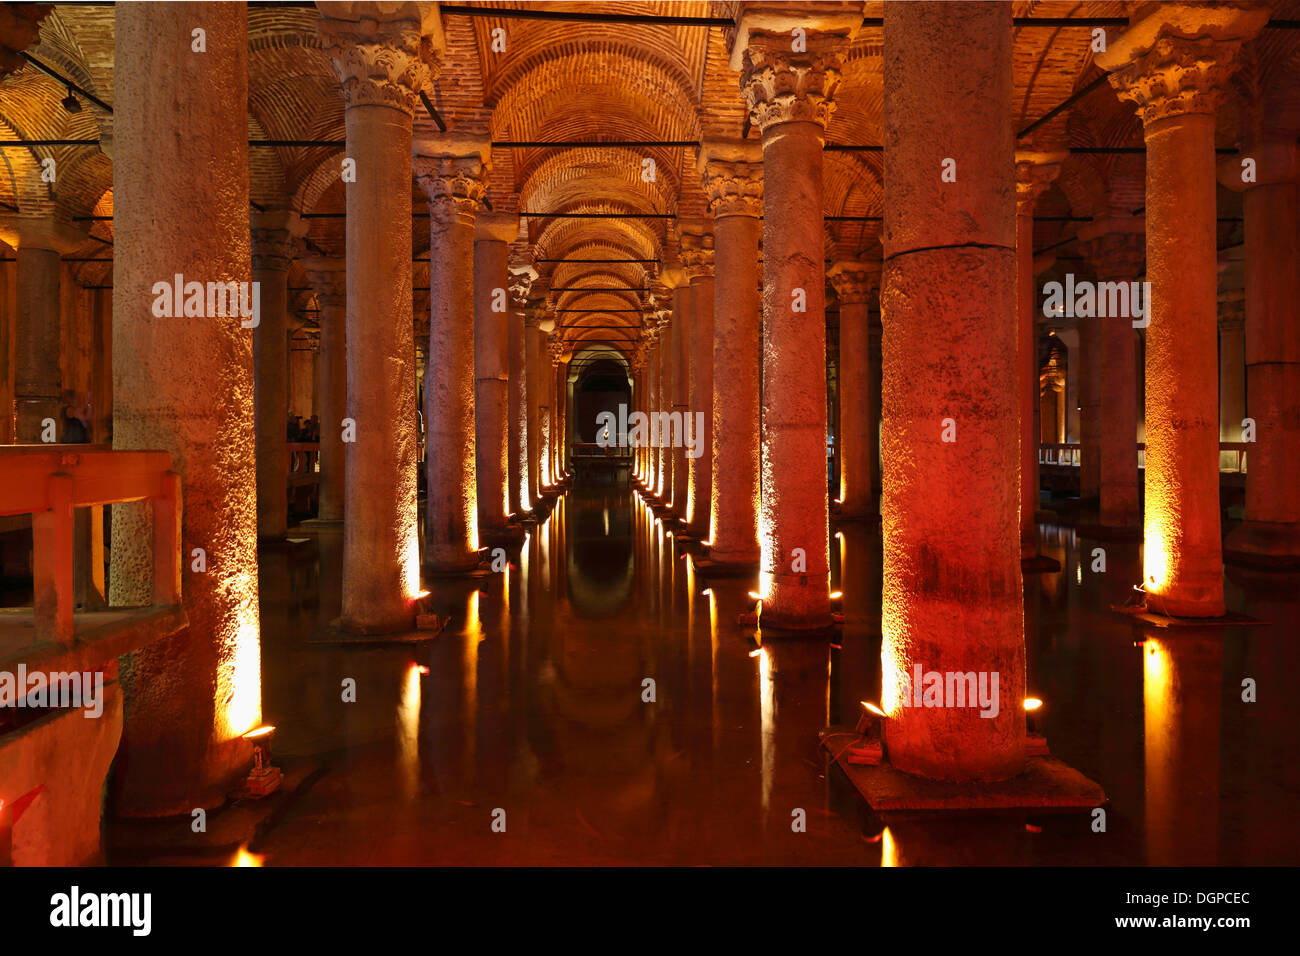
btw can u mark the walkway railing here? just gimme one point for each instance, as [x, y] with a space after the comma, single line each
[49, 483]
[1232, 455]
[304, 462]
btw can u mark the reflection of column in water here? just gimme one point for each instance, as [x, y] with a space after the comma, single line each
[793, 706]
[408, 732]
[1181, 703]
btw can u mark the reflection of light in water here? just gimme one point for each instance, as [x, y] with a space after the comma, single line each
[1078, 573]
[408, 729]
[243, 858]
[524, 576]
[605, 515]
[766, 706]
[473, 634]
[713, 663]
[888, 848]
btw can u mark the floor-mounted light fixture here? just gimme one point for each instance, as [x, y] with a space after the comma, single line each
[264, 779]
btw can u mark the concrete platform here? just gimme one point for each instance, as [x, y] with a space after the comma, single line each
[1047, 783]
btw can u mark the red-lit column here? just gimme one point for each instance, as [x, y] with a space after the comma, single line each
[1116, 247]
[697, 263]
[789, 98]
[680, 373]
[664, 398]
[856, 284]
[493, 233]
[274, 234]
[1271, 530]
[733, 180]
[518, 425]
[184, 385]
[1034, 174]
[950, 503]
[382, 72]
[456, 186]
[534, 340]
[1176, 78]
[329, 277]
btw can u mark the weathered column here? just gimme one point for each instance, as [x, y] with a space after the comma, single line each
[1271, 529]
[1173, 64]
[456, 186]
[856, 283]
[697, 263]
[555, 387]
[679, 375]
[1034, 174]
[1232, 370]
[517, 395]
[789, 98]
[950, 504]
[184, 384]
[492, 235]
[535, 342]
[1089, 392]
[664, 399]
[1115, 247]
[733, 180]
[382, 68]
[329, 278]
[38, 378]
[274, 234]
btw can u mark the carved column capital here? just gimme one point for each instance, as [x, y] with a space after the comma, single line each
[329, 278]
[379, 63]
[455, 186]
[275, 238]
[734, 188]
[1035, 173]
[784, 86]
[1178, 58]
[697, 254]
[1115, 254]
[855, 283]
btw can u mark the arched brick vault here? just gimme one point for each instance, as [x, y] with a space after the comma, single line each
[584, 81]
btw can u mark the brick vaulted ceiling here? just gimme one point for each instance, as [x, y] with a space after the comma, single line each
[582, 81]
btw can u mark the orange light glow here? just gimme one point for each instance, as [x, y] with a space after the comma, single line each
[755, 596]
[239, 678]
[869, 706]
[260, 732]
[243, 858]
[1032, 703]
[836, 595]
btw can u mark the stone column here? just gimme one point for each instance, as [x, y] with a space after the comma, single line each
[1089, 393]
[679, 371]
[1035, 172]
[1271, 530]
[1232, 371]
[274, 234]
[517, 480]
[1115, 247]
[455, 186]
[382, 68]
[733, 179]
[664, 398]
[329, 278]
[789, 98]
[534, 340]
[38, 377]
[492, 235]
[184, 385]
[856, 284]
[1173, 64]
[697, 263]
[555, 389]
[950, 503]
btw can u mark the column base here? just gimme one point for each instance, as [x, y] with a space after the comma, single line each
[1089, 529]
[508, 536]
[320, 525]
[1266, 545]
[415, 631]
[727, 567]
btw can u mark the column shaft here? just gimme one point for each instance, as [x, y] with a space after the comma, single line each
[699, 495]
[491, 392]
[37, 376]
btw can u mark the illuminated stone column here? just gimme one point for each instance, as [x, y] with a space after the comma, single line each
[856, 284]
[1173, 64]
[664, 398]
[535, 340]
[455, 186]
[1089, 394]
[518, 479]
[184, 385]
[37, 376]
[1115, 247]
[1271, 529]
[274, 234]
[329, 278]
[733, 180]
[555, 388]
[492, 235]
[950, 503]
[697, 262]
[789, 98]
[679, 371]
[1035, 172]
[380, 60]
[636, 364]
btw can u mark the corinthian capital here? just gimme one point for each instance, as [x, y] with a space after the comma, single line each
[855, 282]
[734, 188]
[1035, 172]
[784, 86]
[1177, 60]
[697, 254]
[455, 185]
[329, 277]
[382, 56]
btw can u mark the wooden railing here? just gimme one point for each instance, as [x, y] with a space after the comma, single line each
[49, 482]
[594, 450]
[1067, 455]
[304, 462]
